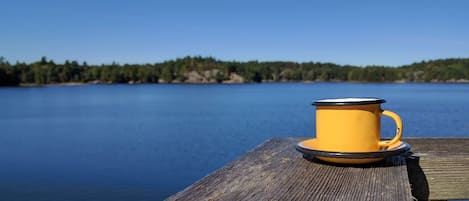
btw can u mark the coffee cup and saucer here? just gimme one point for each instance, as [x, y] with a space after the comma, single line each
[348, 131]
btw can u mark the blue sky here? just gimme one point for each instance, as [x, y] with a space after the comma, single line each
[343, 32]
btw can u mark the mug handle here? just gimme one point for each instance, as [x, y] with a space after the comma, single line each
[398, 121]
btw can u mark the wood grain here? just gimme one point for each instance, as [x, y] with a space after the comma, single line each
[439, 168]
[276, 171]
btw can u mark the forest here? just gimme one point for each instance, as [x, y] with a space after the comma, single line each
[196, 69]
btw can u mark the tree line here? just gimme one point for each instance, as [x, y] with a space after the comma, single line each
[211, 70]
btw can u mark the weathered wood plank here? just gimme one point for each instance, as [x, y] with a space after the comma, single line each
[439, 168]
[276, 171]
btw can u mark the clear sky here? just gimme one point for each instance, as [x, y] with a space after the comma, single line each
[138, 31]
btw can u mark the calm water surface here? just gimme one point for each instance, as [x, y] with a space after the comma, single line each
[146, 142]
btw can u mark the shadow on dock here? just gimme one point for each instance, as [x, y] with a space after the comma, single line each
[417, 179]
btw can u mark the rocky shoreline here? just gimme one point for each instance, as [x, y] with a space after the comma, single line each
[235, 80]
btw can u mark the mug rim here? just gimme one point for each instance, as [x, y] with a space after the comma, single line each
[348, 101]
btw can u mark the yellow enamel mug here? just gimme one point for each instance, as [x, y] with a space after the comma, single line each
[352, 125]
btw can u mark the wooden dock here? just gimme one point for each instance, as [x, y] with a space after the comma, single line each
[436, 168]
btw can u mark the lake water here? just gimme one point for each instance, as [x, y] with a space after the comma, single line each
[146, 142]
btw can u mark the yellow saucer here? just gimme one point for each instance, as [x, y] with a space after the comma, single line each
[308, 148]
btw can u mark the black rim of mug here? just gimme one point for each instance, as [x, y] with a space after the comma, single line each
[341, 102]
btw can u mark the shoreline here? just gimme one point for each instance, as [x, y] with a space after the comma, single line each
[52, 84]
[200, 70]
[238, 83]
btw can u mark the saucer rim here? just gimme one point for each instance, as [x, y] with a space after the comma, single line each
[404, 147]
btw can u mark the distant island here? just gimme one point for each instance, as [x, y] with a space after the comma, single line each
[210, 70]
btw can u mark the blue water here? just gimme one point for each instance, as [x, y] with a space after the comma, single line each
[146, 142]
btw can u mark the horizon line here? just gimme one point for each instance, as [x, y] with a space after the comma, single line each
[2, 58]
